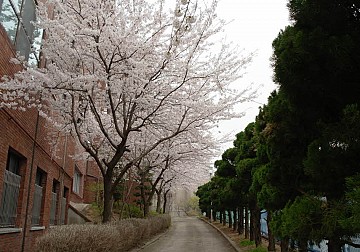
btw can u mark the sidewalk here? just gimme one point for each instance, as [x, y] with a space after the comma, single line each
[232, 236]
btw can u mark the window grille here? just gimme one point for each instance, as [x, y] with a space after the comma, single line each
[38, 197]
[9, 201]
[36, 211]
[53, 208]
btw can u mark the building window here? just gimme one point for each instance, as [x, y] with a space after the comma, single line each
[10, 193]
[54, 202]
[63, 206]
[40, 181]
[17, 17]
[77, 181]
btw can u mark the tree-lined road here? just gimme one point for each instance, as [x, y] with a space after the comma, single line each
[190, 234]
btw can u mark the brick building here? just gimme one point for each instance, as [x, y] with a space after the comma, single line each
[38, 179]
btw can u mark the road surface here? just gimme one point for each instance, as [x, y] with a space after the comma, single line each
[189, 234]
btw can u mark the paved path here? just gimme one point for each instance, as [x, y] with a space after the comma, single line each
[189, 234]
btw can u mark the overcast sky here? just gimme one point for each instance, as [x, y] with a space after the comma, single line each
[256, 23]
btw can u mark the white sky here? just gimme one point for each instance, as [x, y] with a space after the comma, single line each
[256, 23]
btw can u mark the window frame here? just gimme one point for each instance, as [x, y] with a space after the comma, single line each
[77, 181]
[12, 189]
[40, 181]
[54, 203]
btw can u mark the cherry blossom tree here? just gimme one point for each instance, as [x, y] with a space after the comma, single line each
[169, 163]
[118, 69]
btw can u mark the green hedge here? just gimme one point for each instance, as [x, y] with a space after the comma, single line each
[118, 236]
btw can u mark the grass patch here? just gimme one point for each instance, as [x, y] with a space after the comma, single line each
[259, 249]
[246, 243]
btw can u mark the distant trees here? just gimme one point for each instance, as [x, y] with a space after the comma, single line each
[306, 138]
[230, 187]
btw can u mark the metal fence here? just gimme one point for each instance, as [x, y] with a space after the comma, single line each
[9, 200]
[53, 208]
[321, 247]
[36, 211]
[348, 248]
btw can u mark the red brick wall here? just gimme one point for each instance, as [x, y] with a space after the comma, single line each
[15, 138]
[10, 242]
[18, 134]
[92, 181]
[6, 52]
[92, 189]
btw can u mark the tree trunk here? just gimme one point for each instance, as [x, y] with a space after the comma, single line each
[255, 217]
[235, 219]
[251, 225]
[334, 245]
[230, 219]
[284, 245]
[108, 200]
[246, 223]
[147, 204]
[292, 245]
[214, 215]
[165, 200]
[271, 237]
[146, 208]
[158, 202]
[208, 213]
[241, 220]
[146, 199]
[225, 219]
[302, 246]
[220, 217]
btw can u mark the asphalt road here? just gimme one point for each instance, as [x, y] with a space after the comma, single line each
[189, 234]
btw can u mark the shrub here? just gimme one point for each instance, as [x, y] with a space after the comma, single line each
[135, 212]
[126, 210]
[259, 249]
[79, 238]
[118, 236]
[245, 243]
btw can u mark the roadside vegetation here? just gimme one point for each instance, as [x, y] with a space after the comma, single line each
[115, 236]
[299, 160]
[246, 243]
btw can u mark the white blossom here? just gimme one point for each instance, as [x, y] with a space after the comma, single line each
[120, 77]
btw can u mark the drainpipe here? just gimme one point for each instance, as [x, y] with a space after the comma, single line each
[29, 184]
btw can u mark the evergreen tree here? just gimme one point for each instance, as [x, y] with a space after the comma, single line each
[317, 63]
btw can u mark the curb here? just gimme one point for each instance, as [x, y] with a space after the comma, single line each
[233, 244]
[140, 247]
